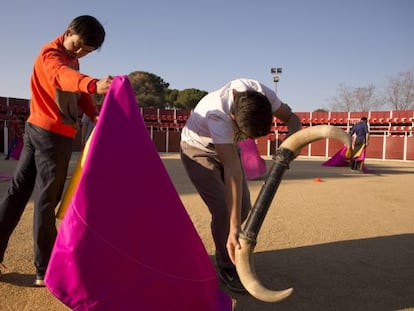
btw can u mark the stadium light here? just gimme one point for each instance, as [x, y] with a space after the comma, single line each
[275, 72]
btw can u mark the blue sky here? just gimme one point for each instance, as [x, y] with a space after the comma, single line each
[320, 44]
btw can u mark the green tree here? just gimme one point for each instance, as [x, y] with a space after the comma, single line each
[189, 98]
[99, 99]
[149, 89]
[171, 97]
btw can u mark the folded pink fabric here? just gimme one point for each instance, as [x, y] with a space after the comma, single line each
[343, 158]
[17, 149]
[126, 241]
[253, 164]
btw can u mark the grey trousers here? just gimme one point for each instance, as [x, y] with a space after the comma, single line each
[206, 173]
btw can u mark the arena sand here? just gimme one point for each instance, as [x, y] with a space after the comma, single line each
[342, 240]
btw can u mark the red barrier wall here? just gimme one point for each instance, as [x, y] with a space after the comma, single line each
[394, 149]
[410, 148]
[318, 148]
[374, 149]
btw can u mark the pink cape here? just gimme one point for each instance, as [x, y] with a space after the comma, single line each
[126, 241]
[253, 164]
[343, 158]
[17, 149]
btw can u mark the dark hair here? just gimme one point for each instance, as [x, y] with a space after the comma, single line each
[89, 29]
[364, 119]
[253, 113]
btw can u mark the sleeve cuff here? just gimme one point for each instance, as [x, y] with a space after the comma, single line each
[92, 86]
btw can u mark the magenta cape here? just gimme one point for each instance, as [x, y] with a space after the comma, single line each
[253, 164]
[126, 241]
[17, 149]
[343, 158]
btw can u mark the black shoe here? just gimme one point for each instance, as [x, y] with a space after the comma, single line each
[6, 158]
[40, 280]
[231, 279]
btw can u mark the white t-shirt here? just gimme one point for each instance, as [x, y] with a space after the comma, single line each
[210, 122]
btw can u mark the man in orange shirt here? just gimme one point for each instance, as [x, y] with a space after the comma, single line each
[57, 90]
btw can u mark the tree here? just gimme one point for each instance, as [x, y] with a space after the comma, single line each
[365, 98]
[99, 99]
[399, 92]
[171, 96]
[149, 89]
[189, 98]
[355, 99]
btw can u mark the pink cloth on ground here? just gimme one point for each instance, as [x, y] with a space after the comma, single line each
[253, 164]
[126, 241]
[342, 159]
[17, 149]
[338, 159]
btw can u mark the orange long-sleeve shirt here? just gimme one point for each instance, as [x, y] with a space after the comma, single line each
[58, 89]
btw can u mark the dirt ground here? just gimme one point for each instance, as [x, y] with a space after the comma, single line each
[345, 243]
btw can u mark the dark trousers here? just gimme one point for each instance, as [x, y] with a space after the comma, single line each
[42, 167]
[356, 165]
[206, 173]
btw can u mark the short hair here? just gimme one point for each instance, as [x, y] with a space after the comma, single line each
[253, 113]
[364, 119]
[89, 29]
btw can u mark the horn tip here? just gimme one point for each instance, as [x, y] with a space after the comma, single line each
[272, 296]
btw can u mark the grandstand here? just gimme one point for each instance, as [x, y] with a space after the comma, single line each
[392, 132]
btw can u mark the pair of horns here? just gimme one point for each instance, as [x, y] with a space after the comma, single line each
[287, 151]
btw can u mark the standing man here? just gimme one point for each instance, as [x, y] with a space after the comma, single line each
[243, 108]
[17, 127]
[360, 138]
[87, 127]
[57, 89]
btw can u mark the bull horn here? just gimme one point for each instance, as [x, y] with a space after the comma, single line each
[308, 135]
[287, 151]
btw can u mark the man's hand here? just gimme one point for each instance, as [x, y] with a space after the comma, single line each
[232, 244]
[103, 85]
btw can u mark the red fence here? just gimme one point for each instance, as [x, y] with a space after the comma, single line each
[392, 132]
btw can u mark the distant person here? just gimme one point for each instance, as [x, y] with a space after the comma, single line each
[87, 127]
[241, 109]
[17, 129]
[360, 139]
[57, 90]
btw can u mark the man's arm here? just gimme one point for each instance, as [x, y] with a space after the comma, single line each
[233, 180]
[285, 114]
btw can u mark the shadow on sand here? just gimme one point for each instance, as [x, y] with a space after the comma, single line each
[367, 274]
[18, 279]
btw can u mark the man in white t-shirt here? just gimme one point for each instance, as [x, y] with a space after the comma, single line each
[243, 108]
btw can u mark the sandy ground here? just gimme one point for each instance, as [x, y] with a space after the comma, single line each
[345, 243]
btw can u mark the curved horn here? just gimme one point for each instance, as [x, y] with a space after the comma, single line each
[308, 135]
[287, 151]
[248, 276]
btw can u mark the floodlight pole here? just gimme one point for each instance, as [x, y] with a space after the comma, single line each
[276, 72]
